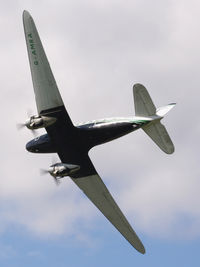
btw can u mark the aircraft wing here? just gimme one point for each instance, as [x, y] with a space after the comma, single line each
[47, 95]
[96, 191]
[92, 185]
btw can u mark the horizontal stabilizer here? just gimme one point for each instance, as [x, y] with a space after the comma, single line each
[158, 133]
[164, 110]
[144, 107]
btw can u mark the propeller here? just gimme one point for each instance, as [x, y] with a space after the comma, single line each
[28, 114]
[20, 126]
[44, 172]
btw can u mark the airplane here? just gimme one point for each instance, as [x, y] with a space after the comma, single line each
[72, 142]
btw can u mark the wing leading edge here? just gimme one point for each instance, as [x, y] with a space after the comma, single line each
[97, 192]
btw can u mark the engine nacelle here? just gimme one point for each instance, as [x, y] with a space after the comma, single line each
[59, 170]
[36, 122]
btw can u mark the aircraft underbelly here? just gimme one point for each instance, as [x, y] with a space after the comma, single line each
[103, 134]
[80, 142]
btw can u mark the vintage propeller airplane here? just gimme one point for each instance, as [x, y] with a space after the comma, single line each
[73, 142]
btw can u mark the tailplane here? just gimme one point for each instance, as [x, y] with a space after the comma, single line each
[158, 133]
[145, 107]
[164, 110]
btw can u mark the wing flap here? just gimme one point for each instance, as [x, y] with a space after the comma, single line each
[96, 191]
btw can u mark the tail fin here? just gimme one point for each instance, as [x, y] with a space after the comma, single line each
[144, 106]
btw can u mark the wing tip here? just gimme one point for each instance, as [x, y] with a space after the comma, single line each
[140, 248]
[26, 14]
[170, 150]
[138, 86]
[26, 17]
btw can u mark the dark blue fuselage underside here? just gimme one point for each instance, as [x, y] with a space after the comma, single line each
[89, 135]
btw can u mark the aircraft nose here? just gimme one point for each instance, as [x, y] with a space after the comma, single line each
[29, 146]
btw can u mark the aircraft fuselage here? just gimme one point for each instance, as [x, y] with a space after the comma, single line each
[91, 133]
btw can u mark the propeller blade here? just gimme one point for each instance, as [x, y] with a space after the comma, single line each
[20, 126]
[56, 180]
[44, 172]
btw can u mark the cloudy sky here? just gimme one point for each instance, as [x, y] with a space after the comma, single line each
[97, 50]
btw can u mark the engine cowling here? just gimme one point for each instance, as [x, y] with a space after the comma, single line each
[59, 170]
[36, 122]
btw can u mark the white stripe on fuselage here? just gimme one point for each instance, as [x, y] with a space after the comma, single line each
[135, 119]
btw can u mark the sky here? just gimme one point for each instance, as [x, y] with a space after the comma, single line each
[97, 51]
